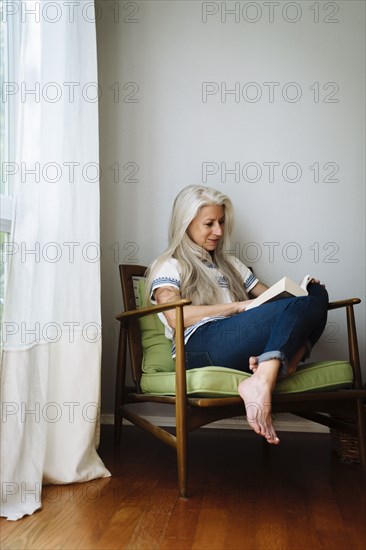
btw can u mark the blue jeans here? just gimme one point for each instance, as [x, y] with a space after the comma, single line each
[275, 330]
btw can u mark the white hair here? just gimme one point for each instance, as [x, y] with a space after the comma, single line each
[197, 280]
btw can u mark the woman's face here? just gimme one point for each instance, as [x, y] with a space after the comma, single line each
[207, 228]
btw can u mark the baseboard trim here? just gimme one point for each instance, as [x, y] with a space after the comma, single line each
[283, 423]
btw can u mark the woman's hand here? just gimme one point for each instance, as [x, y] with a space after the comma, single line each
[315, 281]
[242, 306]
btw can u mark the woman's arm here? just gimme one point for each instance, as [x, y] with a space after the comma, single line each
[193, 314]
[258, 290]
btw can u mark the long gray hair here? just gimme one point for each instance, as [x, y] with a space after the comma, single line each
[197, 280]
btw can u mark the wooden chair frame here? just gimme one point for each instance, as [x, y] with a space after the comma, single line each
[329, 408]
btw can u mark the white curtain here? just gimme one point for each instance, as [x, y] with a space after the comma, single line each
[50, 374]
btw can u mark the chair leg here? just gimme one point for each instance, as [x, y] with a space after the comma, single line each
[120, 383]
[118, 419]
[181, 405]
[182, 463]
[361, 428]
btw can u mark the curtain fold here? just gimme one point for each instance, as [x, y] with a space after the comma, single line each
[50, 374]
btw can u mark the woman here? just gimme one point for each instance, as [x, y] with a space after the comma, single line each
[269, 340]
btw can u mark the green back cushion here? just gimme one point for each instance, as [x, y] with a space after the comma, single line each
[158, 367]
[157, 355]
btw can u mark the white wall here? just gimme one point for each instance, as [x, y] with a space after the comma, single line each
[283, 226]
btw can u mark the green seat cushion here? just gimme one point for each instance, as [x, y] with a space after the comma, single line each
[223, 382]
[158, 367]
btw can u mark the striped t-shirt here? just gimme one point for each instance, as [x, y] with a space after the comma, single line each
[169, 275]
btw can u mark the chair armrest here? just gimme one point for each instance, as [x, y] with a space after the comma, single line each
[353, 352]
[344, 303]
[180, 371]
[127, 316]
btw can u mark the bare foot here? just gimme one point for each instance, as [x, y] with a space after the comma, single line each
[293, 364]
[253, 363]
[256, 393]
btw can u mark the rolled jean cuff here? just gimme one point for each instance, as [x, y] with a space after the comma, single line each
[276, 354]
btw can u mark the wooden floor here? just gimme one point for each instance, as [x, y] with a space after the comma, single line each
[244, 495]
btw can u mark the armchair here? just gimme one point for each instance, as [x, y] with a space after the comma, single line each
[322, 392]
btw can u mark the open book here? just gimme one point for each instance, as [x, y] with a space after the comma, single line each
[284, 288]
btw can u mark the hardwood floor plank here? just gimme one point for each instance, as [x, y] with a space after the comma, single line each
[271, 536]
[153, 522]
[241, 531]
[354, 513]
[120, 529]
[181, 528]
[211, 529]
